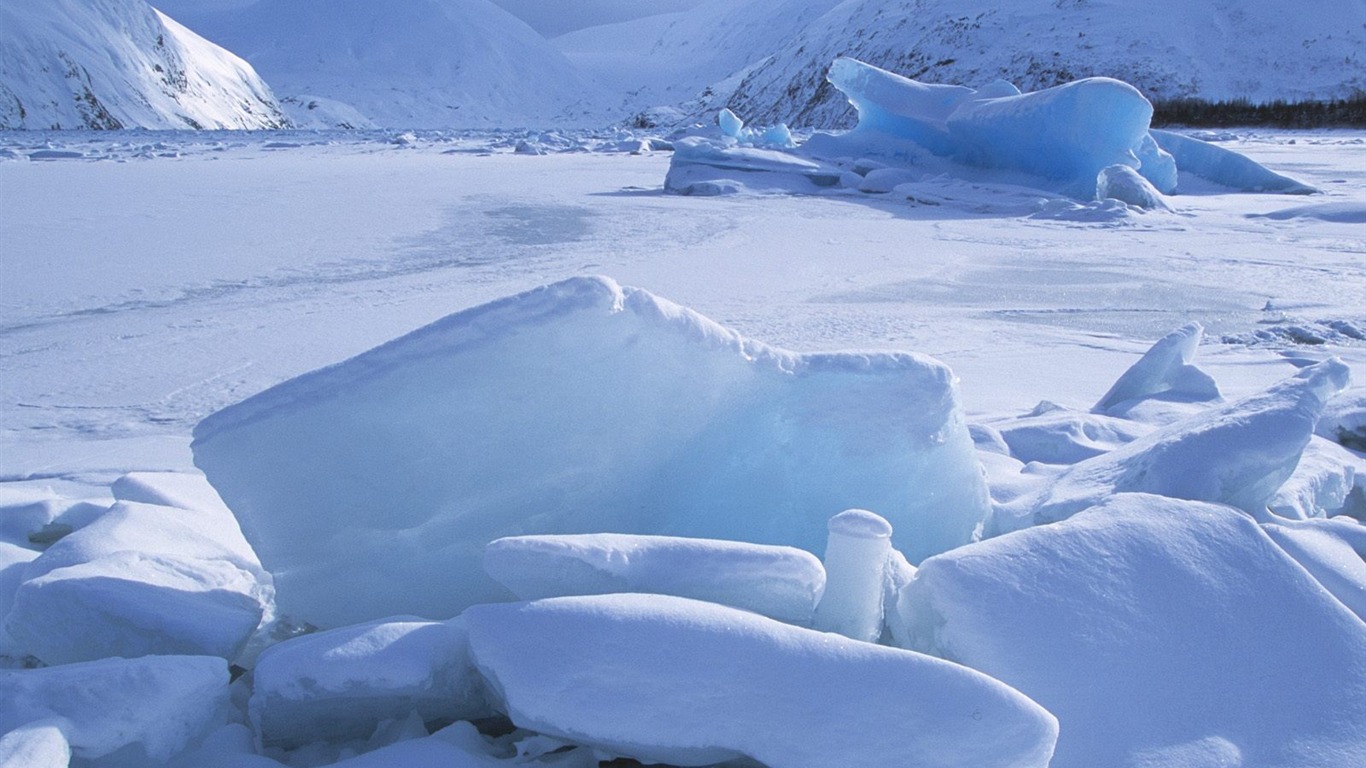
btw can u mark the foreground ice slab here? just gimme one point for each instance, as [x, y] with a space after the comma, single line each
[1156, 630]
[1238, 454]
[145, 710]
[782, 583]
[373, 486]
[666, 679]
[342, 683]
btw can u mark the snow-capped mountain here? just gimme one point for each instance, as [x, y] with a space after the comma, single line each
[120, 64]
[411, 63]
[1261, 50]
[669, 58]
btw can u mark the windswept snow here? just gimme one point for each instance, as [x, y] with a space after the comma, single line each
[106, 64]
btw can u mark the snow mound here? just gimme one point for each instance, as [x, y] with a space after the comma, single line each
[665, 679]
[1332, 552]
[121, 64]
[1238, 454]
[374, 485]
[146, 710]
[342, 684]
[411, 63]
[1052, 434]
[1340, 213]
[1322, 483]
[1156, 630]
[782, 583]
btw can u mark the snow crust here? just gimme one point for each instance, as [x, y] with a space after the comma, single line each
[782, 583]
[541, 413]
[665, 679]
[103, 64]
[1154, 628]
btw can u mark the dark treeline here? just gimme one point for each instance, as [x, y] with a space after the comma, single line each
[1342, 113]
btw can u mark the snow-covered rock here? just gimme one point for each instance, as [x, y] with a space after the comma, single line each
[1260, 50]
[782, 583]
[121, 64]
[142, 579]
[1237, 453]
[1160, 632]
[412, 63]
[374, 485]
[665, 679]
[341, 684]
[141, 711]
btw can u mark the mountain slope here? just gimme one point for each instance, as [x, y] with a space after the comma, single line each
[412, 63]
[120, 64]
[1261, 50]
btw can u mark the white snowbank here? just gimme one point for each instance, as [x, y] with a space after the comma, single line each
[341, 684]
[1150, 627]
[666, 679]
[1332, 552]
[782, 583]
[373, 486]
[145, 709]
[1238, 454]
[141, 579]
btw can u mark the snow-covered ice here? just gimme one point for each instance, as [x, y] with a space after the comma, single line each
[341, 684]
[857, 559]
[1166, 372]
[666, 679]
[1153, 628]
[374, 485]
[781, 583]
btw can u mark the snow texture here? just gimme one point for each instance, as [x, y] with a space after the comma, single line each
[1238, 454]
[781, 583]
[1157, 631]
[105, 64]
[341, 684]
[145, 710]
[374, 485]
[665, 679]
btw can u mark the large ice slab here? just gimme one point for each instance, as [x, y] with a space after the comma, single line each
[372, 487]
[1237, 453]
[1226, 167]
[665, 679]
[1155, 630]
[342, 683]
[146, 710]
[782, 583]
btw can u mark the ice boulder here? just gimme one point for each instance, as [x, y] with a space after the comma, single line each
[130, 712]
[141, 579]
[782, 583]
[343, 683]
[1158, 631]
[1237, 453]
[858, 557]
[704, 167]
[1122, 183]
[1165, 372]
[1226, 167]
[666, 679]
[373, 486]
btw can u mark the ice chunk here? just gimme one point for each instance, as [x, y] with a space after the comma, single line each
[373, 486]
[145, 709]
[782, 583]
[1329, 556]
[23, 511]
[1344, 421]
[141, 579]
[856, 560]
[1149, 623]
[1122, 183]
[1057, 435]
[36, 745]
[1321, 483]
[665, 679]
[1226, 167]
[1156, 165]
[1165, 372]
[342, 683]
[731, 124]
[898, 106]
[13, 560]
[1236, 454]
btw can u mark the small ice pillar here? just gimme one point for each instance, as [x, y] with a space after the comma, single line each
[855, 570]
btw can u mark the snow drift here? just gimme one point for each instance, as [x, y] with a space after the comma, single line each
[372, 487]
[105, 64]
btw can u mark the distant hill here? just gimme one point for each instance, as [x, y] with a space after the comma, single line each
[108, 64]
